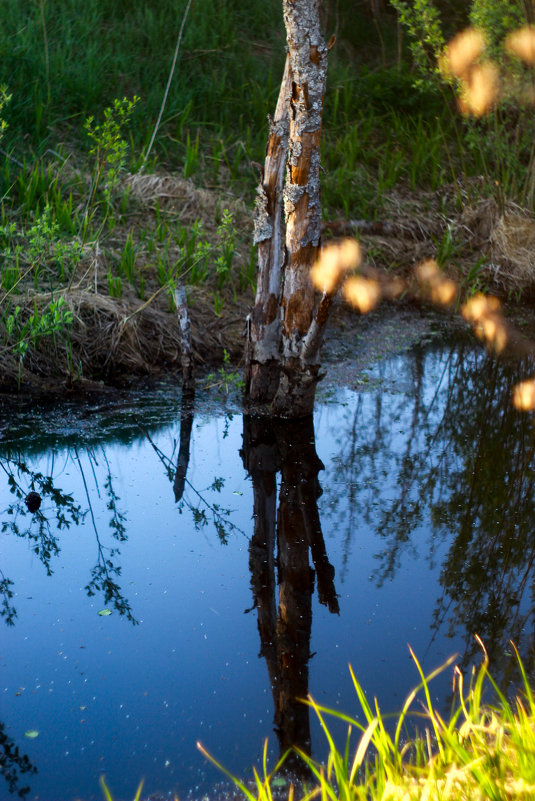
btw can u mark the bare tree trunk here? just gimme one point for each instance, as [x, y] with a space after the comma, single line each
[286, 337]
[181, 304]
[302, 204]
[263, 358]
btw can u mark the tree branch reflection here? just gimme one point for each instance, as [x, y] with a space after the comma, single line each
[451, 456]
[13, 765]
[42, 524]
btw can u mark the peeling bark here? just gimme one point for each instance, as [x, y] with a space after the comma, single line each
[308, 60]
[283, 352]
[263, 356]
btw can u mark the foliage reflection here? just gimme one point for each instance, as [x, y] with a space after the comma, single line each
[57, 512]
[447, 451]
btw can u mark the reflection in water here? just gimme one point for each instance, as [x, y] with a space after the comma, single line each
[41, 526]
[13, 765]
[453, 455]
[270, 446]
[427, 510]
[186, 425]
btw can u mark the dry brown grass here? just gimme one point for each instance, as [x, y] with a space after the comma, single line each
[501, 240]
[189, 202]
[112, 338]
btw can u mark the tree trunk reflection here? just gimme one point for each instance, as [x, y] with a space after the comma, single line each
[279, 555]
[186, 424]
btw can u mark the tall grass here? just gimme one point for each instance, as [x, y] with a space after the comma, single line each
[484, 750]
[65, 62]
[95, 52]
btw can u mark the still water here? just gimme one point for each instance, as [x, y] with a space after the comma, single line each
[245, 564]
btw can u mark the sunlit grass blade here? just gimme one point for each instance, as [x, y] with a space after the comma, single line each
[430, 708]
[366, 708]
[527, 688]
[245, 790]
[138, 793]
[362, 749]
[108, 795]
[412, 695]
[105, 790]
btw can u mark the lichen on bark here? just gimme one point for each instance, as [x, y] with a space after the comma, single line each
[292, 360]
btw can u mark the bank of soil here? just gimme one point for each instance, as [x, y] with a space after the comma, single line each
[113, 341]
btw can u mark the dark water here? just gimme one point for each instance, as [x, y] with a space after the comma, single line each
[272, 558]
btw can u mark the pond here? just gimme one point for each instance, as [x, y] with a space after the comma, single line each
[189, 574]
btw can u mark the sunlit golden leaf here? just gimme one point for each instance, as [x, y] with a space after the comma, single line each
[483, 313]
[325, 276]
[349, 254]
[362, 293]
[479, 306]
[445, 292]
[524, 395]
[463, 51]
[522, 44]
[494, 331]
[427, 271]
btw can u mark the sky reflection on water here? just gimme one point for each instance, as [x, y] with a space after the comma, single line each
[425, 513]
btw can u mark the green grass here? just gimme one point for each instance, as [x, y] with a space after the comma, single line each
[484, 750]
[87, 54]
[64, 62]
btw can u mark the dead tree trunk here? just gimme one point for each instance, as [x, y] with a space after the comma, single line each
[263, 356]
[286, 330]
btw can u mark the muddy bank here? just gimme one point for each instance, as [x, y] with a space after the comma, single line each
[98, 327]
[352, 343]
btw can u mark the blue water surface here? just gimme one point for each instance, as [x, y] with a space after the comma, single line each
[423, 518]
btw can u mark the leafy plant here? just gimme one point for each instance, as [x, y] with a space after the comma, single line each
[40, 237]
[226, 234]
[4, 100]
[225, 378]
[109, 148]
[53, 321]
[496, 18]
[421, 19]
